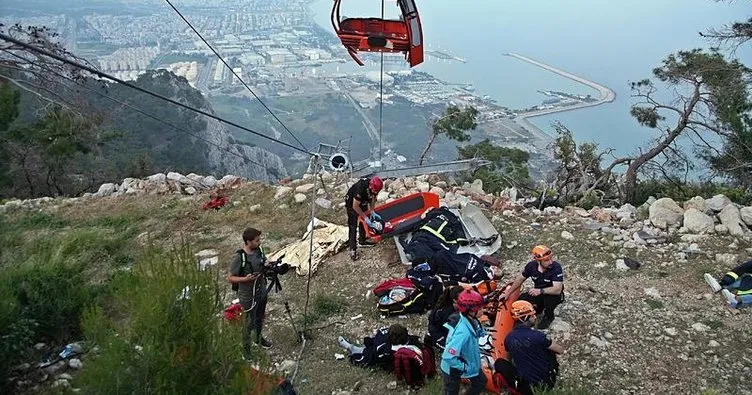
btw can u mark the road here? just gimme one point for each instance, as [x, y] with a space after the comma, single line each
[373, 131]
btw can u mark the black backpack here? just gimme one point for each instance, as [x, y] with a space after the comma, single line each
[242, 268]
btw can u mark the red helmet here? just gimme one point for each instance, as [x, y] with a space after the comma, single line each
[376, 184]
[469, 301]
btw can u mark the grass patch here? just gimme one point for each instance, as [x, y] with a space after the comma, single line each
[38, 220]
[654, 304]
[713, 324]
[323, 306]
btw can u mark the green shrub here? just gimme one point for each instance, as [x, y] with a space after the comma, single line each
[164, 333]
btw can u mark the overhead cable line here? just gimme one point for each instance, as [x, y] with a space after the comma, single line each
[138, 88]
[235, 74]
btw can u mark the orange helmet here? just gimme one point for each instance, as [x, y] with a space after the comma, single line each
[522, 309]
[541, 253]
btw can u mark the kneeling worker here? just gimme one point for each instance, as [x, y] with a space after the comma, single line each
[548, 279]
[247, 272]
[360, 198]
[533, 353]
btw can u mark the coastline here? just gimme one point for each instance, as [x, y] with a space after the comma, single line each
[607, 95]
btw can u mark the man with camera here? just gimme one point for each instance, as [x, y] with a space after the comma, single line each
[248, 276]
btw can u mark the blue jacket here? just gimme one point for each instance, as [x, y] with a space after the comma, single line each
[461, 350]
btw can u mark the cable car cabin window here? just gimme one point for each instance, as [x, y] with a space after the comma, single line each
[415, 30]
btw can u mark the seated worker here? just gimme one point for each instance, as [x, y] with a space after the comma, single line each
[378, 349]
[548, 279]
[439, 316]
[533, 353]
[736, 285]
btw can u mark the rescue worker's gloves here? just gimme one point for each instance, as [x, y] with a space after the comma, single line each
[375, 216]
[369, 223]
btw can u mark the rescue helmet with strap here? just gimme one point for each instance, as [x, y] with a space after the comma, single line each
[521, 309]
[469, 301]
[376, 184]
[541, 253]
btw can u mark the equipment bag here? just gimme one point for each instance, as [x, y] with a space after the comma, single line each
[399, 297]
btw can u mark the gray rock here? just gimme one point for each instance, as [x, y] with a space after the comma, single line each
[324, 203]
[422, 186]
[439, 191]
[665, 212]
[254, 208]
[718, 202]
[598, 342]
[700, 327]
[698, 222]
[731, 217]
[306, 188]
[210, 181]
[698, 203]
[746, 215]
[190, 190]
[282, 191]
[721, 229]
[300, 198]
[652, 292]
[727, 260]
[158, 178]
[621, 265]
[566, 235]
[106, 189]
[75, 363]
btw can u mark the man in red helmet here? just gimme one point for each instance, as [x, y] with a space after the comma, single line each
[360, 198]
[548, 282]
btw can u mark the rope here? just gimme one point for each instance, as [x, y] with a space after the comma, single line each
[235, 74]
[310, 268]
[176, 128]
[96, 72]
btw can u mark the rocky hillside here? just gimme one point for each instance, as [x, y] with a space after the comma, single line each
[638, 317]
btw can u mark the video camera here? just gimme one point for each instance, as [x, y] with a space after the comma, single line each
[274, 268]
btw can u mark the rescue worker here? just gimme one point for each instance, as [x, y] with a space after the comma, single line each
[442, 230]
[360, 198]
[461, 356]
[533, 353]
[247, 272]
[735, 285]
[548, 282]
[439, 316]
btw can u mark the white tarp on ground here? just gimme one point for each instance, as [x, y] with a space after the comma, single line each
[328, 239]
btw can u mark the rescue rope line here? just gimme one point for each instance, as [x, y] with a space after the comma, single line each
[138, 110]
[316, 164]
[101, 74]
[235, 74]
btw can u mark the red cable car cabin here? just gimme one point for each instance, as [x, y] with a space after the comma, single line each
[382, 35]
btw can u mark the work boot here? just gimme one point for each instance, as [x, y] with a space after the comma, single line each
[353, 255]
[264, 343]
[545, 322]
[366, 243]
[487, 241]
[712, 282]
